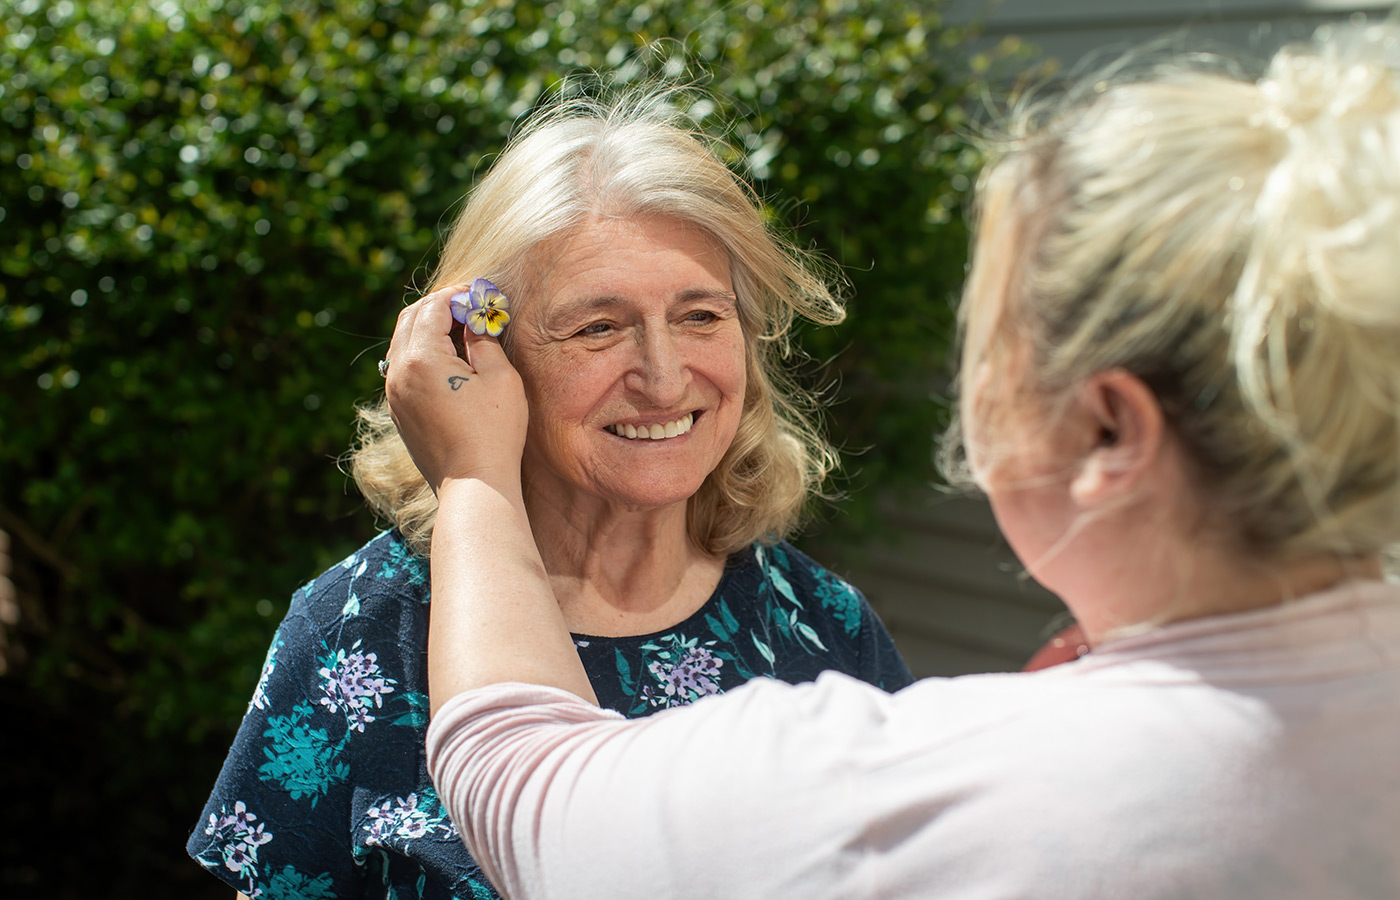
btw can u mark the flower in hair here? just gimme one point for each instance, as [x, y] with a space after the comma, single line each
[482, 308]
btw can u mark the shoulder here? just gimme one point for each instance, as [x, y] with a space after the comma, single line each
[365, 618]
[797, 603]
[811, 620]
[381, 577]
[788, 560]
[336, 721]
[352, 635]
[797, 577]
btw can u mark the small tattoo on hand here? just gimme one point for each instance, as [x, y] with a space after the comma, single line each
[457, 381]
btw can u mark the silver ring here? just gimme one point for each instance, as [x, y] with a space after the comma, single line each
[384, 367]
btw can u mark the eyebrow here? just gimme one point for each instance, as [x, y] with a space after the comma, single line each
[583, 305]
[707, 294]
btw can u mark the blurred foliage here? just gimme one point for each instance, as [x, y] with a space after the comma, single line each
[212, 212]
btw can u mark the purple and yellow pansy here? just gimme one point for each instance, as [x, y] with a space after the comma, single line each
[482, 308]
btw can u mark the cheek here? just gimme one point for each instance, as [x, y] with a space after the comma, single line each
[724, 364]
[974, 420]
[738, 371]
[559, 390]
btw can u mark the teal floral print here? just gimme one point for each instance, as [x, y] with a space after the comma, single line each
[354, 685]
[236, 845]
[401, 561]
[842, 600]
[325, 792]
[784, 608]
[259, 700]
[289, 884]
[417, 713]
[683, 671]
[300, 759]
[407, 818]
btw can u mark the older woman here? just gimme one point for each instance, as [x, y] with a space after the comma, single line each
[646, 307]
[1181, 392]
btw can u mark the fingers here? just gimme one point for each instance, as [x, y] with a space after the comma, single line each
[425, 323]
[432, 319]
[402, 328]
[456, 418]
[420, 351]
[434, 313]
[423, 335]
[484, 352]
[427, 341]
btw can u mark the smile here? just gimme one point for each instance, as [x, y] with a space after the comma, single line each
[656, 432]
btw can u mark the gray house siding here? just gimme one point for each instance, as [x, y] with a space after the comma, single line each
[1068, 30]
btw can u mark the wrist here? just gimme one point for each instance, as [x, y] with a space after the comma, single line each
[489, 486]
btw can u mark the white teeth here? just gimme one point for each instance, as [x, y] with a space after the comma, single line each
[655, 432]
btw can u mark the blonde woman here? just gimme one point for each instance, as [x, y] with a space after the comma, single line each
[646, 307]
[1181, 392]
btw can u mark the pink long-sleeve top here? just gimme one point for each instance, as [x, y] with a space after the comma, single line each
[1237, 757]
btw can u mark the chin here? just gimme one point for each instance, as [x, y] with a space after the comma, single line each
[653, 498]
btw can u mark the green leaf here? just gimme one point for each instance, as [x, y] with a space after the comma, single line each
[624, 670]
[763, 649]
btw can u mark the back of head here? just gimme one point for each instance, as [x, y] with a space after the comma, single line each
[1235, 243]
[636, 154]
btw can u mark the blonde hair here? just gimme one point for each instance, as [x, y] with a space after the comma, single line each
[634, 155]
[1234, 243]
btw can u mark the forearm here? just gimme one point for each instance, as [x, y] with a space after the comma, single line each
[494, 617]
[557, 799]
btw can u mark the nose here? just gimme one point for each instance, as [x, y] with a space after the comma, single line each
[660, 373]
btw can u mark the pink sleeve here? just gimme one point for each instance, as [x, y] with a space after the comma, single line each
[557, 798]
[493, 749]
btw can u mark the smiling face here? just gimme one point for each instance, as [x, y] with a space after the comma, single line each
[633, 361]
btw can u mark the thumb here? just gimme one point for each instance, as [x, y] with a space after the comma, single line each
[484, 353]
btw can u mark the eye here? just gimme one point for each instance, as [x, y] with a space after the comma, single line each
[703, 316]
[595, 328]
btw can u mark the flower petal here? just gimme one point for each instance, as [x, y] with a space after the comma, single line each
[496, 320]
[461, 304]
[484, 294]
[487, 321]
[476, 321]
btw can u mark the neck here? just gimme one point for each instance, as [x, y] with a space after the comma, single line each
[1158, 580]
[618, 571]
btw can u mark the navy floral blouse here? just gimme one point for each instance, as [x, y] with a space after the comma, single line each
[325, 793]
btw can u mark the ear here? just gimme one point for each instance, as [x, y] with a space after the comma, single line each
[1123, 428]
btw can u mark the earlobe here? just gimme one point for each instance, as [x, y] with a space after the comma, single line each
[1124, 429]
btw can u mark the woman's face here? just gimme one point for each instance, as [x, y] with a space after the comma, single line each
[633, 361]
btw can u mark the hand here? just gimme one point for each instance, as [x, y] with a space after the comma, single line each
[459, 419]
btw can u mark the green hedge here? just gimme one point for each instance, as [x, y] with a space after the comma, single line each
[212, 212]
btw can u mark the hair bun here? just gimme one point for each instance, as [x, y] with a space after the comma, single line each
[1344, 73]
[1329, 212]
